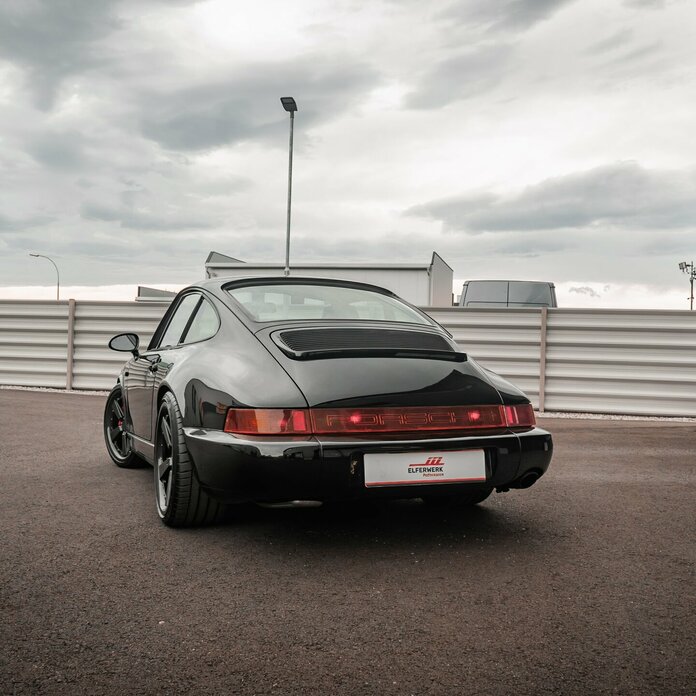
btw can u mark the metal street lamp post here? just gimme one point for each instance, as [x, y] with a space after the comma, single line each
[689, 269]
[42, 256]
[290, 106]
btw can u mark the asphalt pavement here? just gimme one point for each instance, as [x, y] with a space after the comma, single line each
[583, 584]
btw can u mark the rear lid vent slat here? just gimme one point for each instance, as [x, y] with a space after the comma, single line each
[335, 342]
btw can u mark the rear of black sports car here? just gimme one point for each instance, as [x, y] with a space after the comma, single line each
[380, 411]
[282, 389]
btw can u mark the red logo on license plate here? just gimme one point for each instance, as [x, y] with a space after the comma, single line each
[432, 465]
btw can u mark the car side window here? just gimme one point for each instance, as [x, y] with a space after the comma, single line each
[179, 320]
[204, 325]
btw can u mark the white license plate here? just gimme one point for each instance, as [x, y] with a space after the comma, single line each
[405, 468]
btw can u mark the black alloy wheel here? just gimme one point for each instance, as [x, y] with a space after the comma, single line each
[180, 500]
[163, 465]
[117, 440]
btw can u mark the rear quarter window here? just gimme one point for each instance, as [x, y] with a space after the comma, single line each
[179, 320]
[205, 324]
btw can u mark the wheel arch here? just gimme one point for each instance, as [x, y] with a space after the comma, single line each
[180, 391]
[161, 391]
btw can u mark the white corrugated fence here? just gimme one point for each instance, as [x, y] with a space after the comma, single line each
[639, 362]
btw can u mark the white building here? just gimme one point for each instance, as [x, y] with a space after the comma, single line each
[424, 285]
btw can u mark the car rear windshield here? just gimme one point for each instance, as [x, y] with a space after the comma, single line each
[298, 302]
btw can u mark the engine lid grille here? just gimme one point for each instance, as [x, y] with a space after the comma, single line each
[343, 341]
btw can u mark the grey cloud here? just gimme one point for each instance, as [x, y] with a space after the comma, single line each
[104, 248]
[59, 150]
[146, 219]
[635, 65]
[542, 244]
[368, 247]
[223, 186]
[645, 3]
[622, 194]
[669, 243]
[53, 39]
[632, 57]
[585, 290]
[464, 76]
[611, 43]
[515, 15]
[247, 106]
[84, 263]
[19, 224]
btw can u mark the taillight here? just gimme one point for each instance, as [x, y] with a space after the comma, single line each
[520, 416]
[409, 419]
[348, 421]
[267, 421]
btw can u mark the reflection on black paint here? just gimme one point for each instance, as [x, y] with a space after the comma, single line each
[207, 407]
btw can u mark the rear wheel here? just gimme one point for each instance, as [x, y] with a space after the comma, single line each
[118, 443]
[460, 499]
[180, 500]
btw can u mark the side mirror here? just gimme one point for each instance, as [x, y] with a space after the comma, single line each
[126, 343]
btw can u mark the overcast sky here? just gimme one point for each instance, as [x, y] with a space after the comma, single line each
[539, 139]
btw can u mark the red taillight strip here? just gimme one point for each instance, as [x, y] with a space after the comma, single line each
[348, 421]
[343, 421]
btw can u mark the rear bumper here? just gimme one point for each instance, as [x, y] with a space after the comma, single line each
[237, 470]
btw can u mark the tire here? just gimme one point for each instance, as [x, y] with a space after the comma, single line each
[179, 498]
[460, 500]
[116, 438]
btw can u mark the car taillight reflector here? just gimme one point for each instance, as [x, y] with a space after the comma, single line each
[520, 416]
[347, 421]
[267, 421]
[327, 421]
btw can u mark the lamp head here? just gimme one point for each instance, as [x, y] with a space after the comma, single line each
[34, 255]
[682, 266]
[288, 104]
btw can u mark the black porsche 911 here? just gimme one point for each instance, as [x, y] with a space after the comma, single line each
[304, 389]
